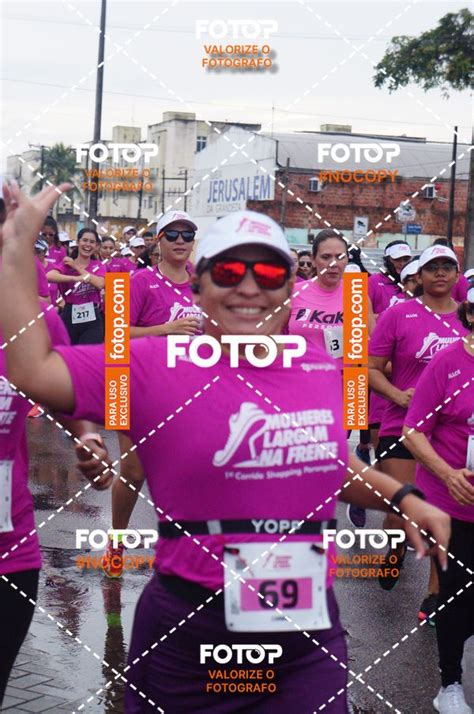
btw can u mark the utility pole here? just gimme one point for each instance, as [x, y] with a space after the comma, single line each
[449, 233]
[469, 234]
[42, 147]
[94, 195]
[284, 193]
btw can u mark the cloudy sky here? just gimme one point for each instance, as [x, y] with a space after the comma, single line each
[49, 57]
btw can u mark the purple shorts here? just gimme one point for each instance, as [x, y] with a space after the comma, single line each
[170, 674]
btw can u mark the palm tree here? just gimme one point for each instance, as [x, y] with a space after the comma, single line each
[59, 165]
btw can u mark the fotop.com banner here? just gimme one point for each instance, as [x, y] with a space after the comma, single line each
[237, 364]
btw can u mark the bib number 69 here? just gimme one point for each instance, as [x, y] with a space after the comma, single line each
[282, 594]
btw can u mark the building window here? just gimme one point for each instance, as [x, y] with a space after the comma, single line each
[201, 143]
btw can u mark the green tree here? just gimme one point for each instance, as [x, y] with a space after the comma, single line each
[59, 165]
[442, 57]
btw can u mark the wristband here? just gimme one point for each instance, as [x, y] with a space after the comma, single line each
[91, 436]
[401, 493]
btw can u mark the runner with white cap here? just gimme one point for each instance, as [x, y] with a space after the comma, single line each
[408, 335]
[232, 482]
[138, 248]
[384, 288]
[128, 233]
[408, 278]
[161, 301]
[469, 275]
[439, 431]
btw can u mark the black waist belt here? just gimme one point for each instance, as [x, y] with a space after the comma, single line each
[257, 526]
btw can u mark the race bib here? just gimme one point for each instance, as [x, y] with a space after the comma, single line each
[333, 341]
[290, 580]
[83, 313]
[6, 524]
[470, 453]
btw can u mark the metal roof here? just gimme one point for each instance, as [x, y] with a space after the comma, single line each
[420, 159]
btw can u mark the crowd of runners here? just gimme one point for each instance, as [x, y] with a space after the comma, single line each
[258, 447]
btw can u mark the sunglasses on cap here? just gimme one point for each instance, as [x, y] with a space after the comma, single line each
[229, 272]
[172, 235]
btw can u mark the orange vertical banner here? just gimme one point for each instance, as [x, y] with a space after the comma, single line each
[356, 397]
[117, 318]
[355, 333]
[117, 398]
[117, 351]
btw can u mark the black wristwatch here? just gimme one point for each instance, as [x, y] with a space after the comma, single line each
[401, 493]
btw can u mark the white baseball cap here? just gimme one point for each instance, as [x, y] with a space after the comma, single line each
[136, 242]
[243, 228]
[469, 273]
[352, 268]
[128, 228]
[171, 217]
[126, 251]
[72, 243]
[410, 268]
[399, 250]
[437, 251]
[63, 237]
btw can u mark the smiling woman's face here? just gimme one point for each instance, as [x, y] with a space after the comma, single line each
[238, 310]
[87, 245]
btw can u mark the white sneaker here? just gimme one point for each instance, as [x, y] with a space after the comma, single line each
[450, 700]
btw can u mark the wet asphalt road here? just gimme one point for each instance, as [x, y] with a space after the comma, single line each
[99, 611]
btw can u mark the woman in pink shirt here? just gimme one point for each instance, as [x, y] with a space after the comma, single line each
[20, 557]
[439, 431]
[232, 469]
[81, 279]
[316, 304]
[408, 335]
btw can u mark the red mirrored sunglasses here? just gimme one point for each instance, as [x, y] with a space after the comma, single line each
[229, 272]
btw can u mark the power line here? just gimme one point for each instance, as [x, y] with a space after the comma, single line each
[179, 30]
[166, 98]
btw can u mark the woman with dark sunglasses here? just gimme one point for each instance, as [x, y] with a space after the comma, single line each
[250, 455]
[161, 301]
[305, 269]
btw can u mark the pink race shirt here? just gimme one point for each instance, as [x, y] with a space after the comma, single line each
[383, 292]
[459, 291]
[116, 265]
[155, 299]
[55, 255]
[13, 451]
[410, 335]
[266, 444]
[43, 286]
[78, 293]
[447, 382]
[317, 315]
